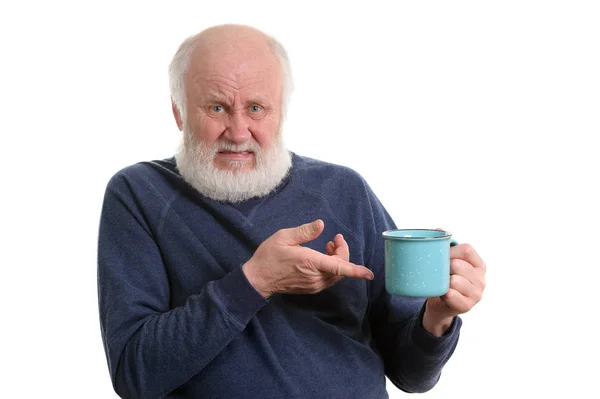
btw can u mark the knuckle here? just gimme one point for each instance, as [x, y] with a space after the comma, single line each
[303, 231]
[455, 264]
[306, 230]
[450, 295]
[337, 269]
[467, 250]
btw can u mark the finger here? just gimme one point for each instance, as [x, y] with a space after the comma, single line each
[462, 285]
[339, 240]
[330, 248]
[475, 276]
[456, 301]
[467, 253]
[341, 247]
[463, 268]
[301, 234]
[340, 267]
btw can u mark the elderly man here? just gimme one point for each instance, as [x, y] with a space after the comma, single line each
[238, 269]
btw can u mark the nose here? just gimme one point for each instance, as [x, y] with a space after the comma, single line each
[237, 131]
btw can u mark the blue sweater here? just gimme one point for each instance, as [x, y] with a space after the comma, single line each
[179, 319]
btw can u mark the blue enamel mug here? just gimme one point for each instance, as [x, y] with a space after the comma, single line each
[417, 262]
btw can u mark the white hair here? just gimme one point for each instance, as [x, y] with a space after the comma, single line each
[181, 62]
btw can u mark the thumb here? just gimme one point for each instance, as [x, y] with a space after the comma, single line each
[304, 233]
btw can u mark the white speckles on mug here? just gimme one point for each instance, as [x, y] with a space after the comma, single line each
[417, 266]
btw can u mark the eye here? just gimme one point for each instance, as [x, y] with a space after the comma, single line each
[255, 108]
[217, 108]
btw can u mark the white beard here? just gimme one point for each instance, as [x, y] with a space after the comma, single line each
[195, 162]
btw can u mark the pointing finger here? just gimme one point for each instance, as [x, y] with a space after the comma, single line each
[339, 267]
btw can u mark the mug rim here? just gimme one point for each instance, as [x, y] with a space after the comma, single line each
[386, 235]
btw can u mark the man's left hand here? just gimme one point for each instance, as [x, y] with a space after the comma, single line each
[467, 282]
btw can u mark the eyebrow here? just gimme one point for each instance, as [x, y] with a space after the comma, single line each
[215, 97]
[258, 100]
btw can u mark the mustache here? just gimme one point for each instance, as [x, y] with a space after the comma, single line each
[229, 146]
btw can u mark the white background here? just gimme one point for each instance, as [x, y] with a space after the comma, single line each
[479, 117]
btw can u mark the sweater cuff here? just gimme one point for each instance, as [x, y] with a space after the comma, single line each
[430, 344]
[237, 297]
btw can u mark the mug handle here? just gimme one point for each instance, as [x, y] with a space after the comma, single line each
[453, 243]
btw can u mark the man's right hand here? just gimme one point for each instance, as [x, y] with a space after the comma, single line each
[281, 265]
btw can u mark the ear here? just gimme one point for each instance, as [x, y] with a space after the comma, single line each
[177, 115]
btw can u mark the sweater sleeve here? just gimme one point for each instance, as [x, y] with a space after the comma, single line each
[151, 348]
[413, 358]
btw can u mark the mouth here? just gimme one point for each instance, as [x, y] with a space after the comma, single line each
[235, 152]
[226, 155]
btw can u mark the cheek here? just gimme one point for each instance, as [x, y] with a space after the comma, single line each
[207, 129]
[265, 130]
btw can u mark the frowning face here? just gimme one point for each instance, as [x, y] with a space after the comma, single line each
[232, 148]
[234, 98]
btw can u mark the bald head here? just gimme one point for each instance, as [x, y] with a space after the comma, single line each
[231, 50]
[231, 37]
